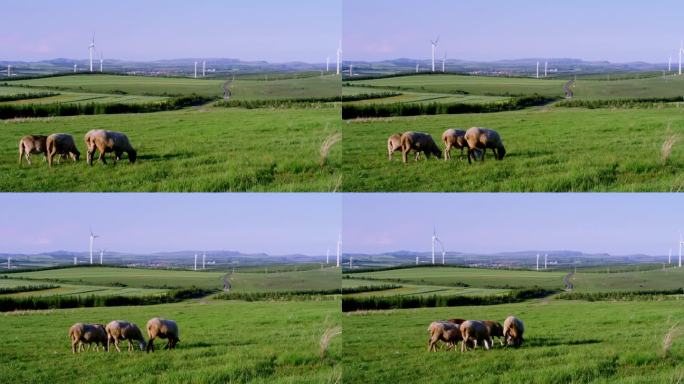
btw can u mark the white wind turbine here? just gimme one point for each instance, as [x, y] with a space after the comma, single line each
[101, 62]
[9, 262]
[681, 243]
[9, 70]
[327, 256]
[195, 69]
[417, 260]
[339, 60]
[436, 239]
[681, 50]
[545, 259]
[669, 257]
[75, 260]
[327, 64]
[669, 64]
[546, 67]
[102, 251]
[350, 262]
[204, 257]
[195, 262]
[75, 68]
[91, 49]
[351, 66]
[92, 240]
[417, 67]
[339, 248]
[537, 69]
[434, 50]
[444, 63]
[537, 261]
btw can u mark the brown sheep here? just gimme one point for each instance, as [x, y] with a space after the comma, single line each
[495, 330]
[444, 331]
[81, 333]
[418, 142]
[394, 145]
[453, 138]
[32, 144]
[483, 139]
[475, 331]
[456, 321]
[123, 330]
[513, 331]
[163, 329]
[108, 141]
[62, 144]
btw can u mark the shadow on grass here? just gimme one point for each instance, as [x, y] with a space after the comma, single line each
[167, 156]
[552, 342]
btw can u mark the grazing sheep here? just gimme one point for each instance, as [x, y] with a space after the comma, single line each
[81, 333]
[444, 331]
[163, 329]
[456, 321]
[32, 144]
[418, 142]
[475, 331]
[123, 330]
[394, 145]
[108, 141]
[513, 330]
[482, 139]
[62, 144]
[453, 138]
[495, 330]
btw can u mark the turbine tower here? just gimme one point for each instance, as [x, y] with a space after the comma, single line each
[9, 70]
[92, 239]
[444, 63]
[195, 69]
[669, 257]
[351, 66]
[9, 262]
[339, 60]
[327, 256]
[75, 260]
[537, 69]
[537, 261]
[417, 260]
[681, 242]
[546, 67]
[204, 257]
[350, 262]
[327, 64]
[669, 64]
[75, 67]
[339, 248]
[435, 239]
[204, 67]
[681, 50]
[195, 261]
[417, 66]
[434, 50]
[102, 251]
[545, 257]
[101, 62]
[91, 49]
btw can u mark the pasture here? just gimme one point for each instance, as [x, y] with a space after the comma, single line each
[191, 150]
[416, 289]
[548, 149]
[308, 280]
[565, 342]
[221, 341]
[66, 289]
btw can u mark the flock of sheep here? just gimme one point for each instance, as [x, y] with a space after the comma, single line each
[474, 332]
[117, 330]
[476, 140]
[63, 145]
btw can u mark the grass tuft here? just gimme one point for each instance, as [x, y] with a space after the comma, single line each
[328, 143]
[327, 336]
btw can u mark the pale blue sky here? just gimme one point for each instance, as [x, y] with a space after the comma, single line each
[272, 30]
[280, 223]
[614, 30]
[626, 223]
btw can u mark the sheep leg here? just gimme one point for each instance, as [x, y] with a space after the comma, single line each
[150, 345]
[470, 155]
[116, 345]
[417, 155]
[102, 157]
[21, 152]
[404, 155]
[73, 345]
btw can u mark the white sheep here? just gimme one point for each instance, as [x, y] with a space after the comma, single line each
[81, 333]
[443, 331]
[513, 331]
[483, 139]
[476, 332]
[123, 330]
[163, 329]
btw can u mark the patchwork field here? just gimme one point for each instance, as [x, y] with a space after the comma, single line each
[565, 342]
[221, 341]
[416, 290]
[313, 279]
[548, 149]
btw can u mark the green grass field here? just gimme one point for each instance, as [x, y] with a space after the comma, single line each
[472, 277]
[199, 149]
[313, 279]
[307, 87]
[655, 279]
[128, 277]
[66, 97]
[548, 149]
[75, 289]
[221, 342]
[566, 342]
[416, 289]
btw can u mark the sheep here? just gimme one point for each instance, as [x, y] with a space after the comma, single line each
[444, 331]
[108, 141]
[456, 321]
[482, 139]
[495, 330]
[453, 138]
[513, 330]
[62, 144]
[124, 330]
[394, 145]
[32, 144]
[164, 329]
[475, 331]
[81, 333]
[418, 142]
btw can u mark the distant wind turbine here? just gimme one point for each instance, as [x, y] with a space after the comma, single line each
[339, 248]
[327, 256]
[417, 66]
[681, 243]
[351, 73]
[91, 49]
[435, 239]
[350, 262]
[9, 70]
[75, 67]
[204, 256]
[669, 64]
[9, 262]
[102, 251]
[195, 69]
[204, 67]
[681, 50]
[669, 257]
[327, 64]
[537, 69]
[101, 62]
[195, 261]
[537, 261]
[444, 63]
[434, 50]
[92, 239]
[546, 67]
[545, 258]
[339, 60]
[75, 260]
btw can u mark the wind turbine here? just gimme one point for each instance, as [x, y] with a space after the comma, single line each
[350, 262]
[669, 257]
[681, 50]
[204, 256]
[436, 239]
[339, 248]
[75, 67]
[669, 64]
[327, 256]
[9, 70]
[434, 49]
[339, 58]
[91, 49]
[195, 69]
[681, 242]
[102, 251]
[101, 62]
[537, 261]
[327, 64]
[92, 239]
[545, 257]
[417, 260]
[204, 66]
[537, 69]
[195, 261]
[546, 67]
[75, 260]
[417, 66]
[351, 66]
[444, 63]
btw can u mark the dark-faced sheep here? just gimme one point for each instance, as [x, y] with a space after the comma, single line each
[483, 139]
[495, 330]
[163, 329]
[81, 334]
[418, 142]
[108, 141]
[123, 330]
[32, 144]
[453, 138]
[63, 145]
[513, 331]
[443, 331]
[476, 332]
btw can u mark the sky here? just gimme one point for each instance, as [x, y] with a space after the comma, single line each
[271, 30]
[619, 224]
[614, 30]
[277, 224]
